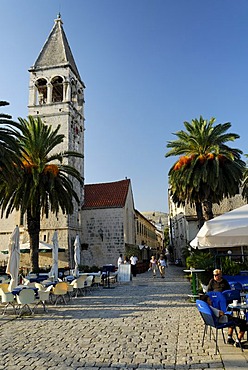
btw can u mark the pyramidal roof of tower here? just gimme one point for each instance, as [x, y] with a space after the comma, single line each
[56, 51]
[106, 195]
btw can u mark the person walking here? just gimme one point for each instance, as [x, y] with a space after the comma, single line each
[133, 261]
[153, 266]
[162, 264]
[126, 260]
[119, 261]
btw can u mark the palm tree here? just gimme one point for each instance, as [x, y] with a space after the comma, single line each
[245, 182]
[8, 145]
[208, 170]
[44, 181]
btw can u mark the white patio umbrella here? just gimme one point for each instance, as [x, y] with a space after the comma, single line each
[54, 270]
[76, 255]
[227, 230]
[14, 258]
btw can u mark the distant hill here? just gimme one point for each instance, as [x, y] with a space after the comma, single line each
[157, 217]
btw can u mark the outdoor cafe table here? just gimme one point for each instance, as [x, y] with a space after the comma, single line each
[240, 307]
[70, 278]
[49, 283]
[194, 283]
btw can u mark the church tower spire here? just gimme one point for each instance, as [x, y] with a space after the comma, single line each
[56, 50]
[56, 95]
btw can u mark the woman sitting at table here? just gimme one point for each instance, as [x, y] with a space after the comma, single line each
[218, 283]
[224, 318]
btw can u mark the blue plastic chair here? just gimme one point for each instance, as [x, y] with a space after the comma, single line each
[218, 300]
[236, 285]
[231, 294]
[210, 320]
[246, 314]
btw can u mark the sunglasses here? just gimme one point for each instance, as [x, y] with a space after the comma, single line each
[216, 274]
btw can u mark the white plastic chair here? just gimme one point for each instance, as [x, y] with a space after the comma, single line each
[204, 288]
[24, 299]
[43, 295]
[97, 281]
[9, 299]
[88, 284]
[39, 286]
[69, 290]
[79, 284]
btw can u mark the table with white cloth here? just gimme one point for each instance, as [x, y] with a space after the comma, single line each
[194, 278]
[50, 283]
[241, 309]
[37, 278]
[70, 278]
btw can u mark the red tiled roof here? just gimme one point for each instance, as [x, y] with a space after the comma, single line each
[106, 195]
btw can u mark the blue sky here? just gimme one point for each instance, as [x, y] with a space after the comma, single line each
[148, 66]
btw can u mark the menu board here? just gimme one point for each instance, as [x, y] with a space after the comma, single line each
[124, 272]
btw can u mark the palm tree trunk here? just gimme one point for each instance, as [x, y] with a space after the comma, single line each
[208, 209]
[33, 222]
[199, 212]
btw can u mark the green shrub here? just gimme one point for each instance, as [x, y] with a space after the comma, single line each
[230, 267]
[200, 260]
[86, 268]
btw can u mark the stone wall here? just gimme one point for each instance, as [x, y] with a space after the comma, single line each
[103, 236]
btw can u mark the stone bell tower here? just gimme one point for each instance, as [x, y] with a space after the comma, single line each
[56, 95]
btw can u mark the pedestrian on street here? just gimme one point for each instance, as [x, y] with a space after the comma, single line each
[133, 261]
[153, 266]
[126, 260]
[162, 264]
[119, 261]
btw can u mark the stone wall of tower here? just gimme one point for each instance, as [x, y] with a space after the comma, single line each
[56, 95]
[69, 114]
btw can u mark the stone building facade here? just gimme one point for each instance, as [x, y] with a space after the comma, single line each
[148, 237]
[108, 222]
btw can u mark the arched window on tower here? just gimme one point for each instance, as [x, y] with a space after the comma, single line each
[41, 86]
[74, 97]
[57, 84]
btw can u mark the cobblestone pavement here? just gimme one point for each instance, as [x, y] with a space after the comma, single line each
[146, 324]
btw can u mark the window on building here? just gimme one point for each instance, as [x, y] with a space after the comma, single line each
[41, 86]
[57, 94]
